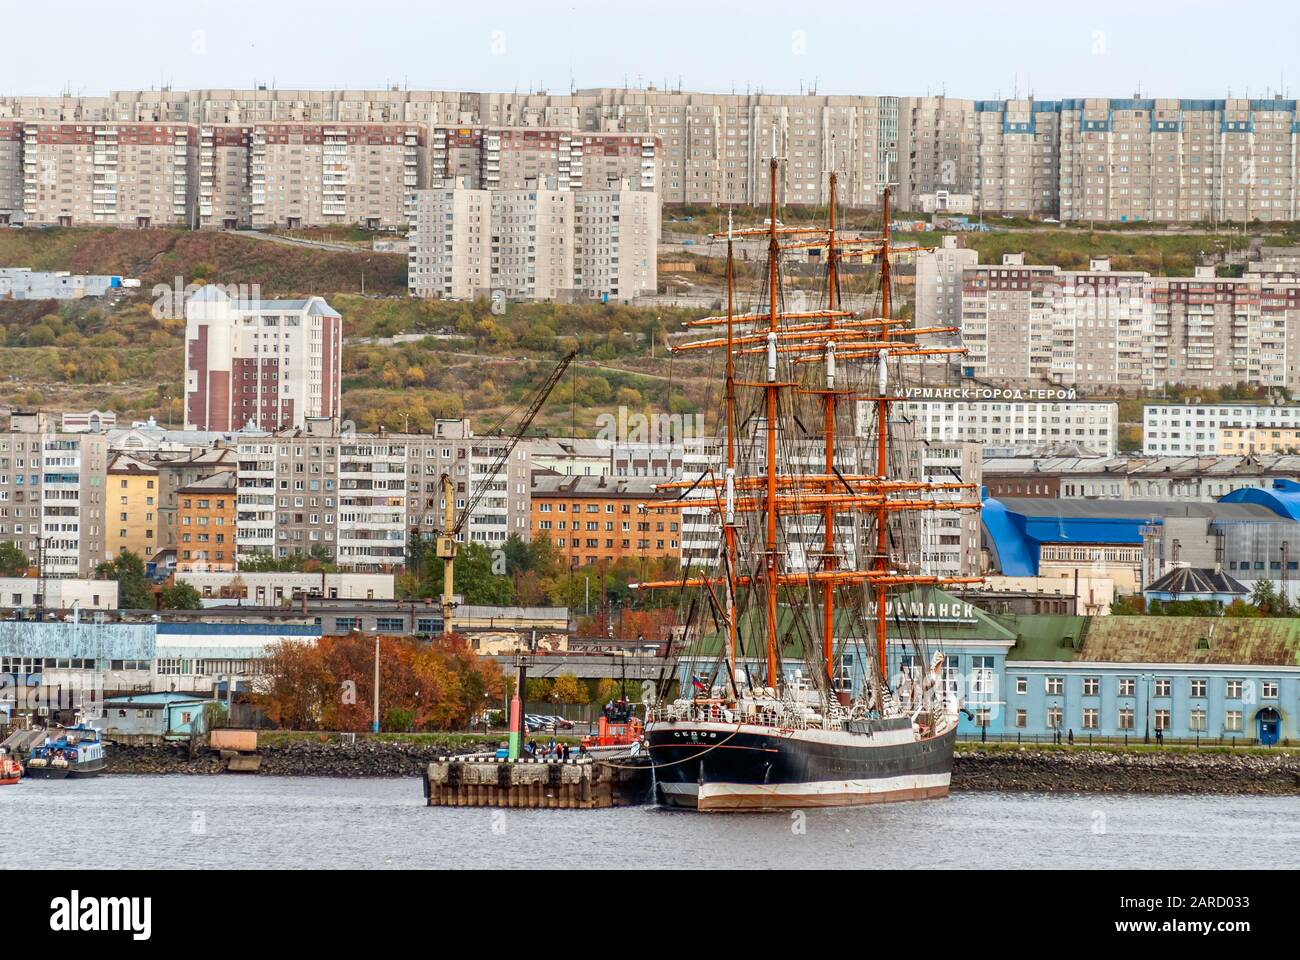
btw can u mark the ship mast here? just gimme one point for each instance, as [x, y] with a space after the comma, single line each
[882, 439]
[729, 514]
[771, 389]
[834, 337]
[828, 516]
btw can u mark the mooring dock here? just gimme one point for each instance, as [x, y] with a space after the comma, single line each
[578, 784]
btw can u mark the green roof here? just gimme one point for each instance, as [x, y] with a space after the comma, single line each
[1154, 639]
[945, 617]
[1046, 636]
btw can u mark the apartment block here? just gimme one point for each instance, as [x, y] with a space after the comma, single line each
[939, 280]
[533, 243]
[1101, 328]
[11, 172]
[538, 243]
[450, 252]
[1210, 332]
[52, 494]
[358, 498]
[273, 363]
[1007, 319]
[1003, 427]
[504, 158]
[287, 494]
[123, 174]
[1163, 159]
[304, 174]
[225, 196]
[132, 504]
[176, 471]
[207, 521]
[602, 520]
[1207, 429]
[453, 449]
[616, 241]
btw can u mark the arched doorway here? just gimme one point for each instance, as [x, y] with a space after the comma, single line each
[1269, 723]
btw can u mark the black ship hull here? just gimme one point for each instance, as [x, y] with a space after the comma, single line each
[47, 773]
[725, 766]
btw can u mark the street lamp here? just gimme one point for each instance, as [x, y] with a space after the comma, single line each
[375, 698]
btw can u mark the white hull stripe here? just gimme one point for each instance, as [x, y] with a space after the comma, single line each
[733, 796]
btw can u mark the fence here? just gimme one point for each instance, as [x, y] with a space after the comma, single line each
[1128, 740]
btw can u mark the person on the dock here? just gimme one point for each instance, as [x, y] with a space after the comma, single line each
[1072, 736]
[550, 747]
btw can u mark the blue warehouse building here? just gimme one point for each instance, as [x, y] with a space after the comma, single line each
[1222, 679]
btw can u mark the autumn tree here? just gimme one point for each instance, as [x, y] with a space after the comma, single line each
[13, 562]
[569, 689]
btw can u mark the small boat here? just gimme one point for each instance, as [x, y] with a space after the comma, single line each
[620, 732]
[77, 753]
[11, 771]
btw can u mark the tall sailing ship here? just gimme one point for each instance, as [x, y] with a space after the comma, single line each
[788, 700]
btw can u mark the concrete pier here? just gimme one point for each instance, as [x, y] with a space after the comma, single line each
[585, 784]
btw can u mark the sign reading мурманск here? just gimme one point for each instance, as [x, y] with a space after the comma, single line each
[982, 392]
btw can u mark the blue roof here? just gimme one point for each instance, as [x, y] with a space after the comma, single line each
[1017, 527]
[1283, 498]
[1006, 538]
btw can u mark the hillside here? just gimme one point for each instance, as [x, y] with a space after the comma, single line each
[161, 256]
[452, 359]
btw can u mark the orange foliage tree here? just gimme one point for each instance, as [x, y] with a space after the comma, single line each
[329, 685]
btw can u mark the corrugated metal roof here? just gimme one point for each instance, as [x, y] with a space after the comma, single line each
[97, 641]
[1227, 640]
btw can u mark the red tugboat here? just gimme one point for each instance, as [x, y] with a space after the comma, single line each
[620, 731]
[11, 771]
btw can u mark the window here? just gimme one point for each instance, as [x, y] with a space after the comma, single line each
[1197, 688]
[1054, 718]
[1091, 687]
[1022, 685]
[1232, 721]
[1162, 720]
[1055, 685]
[1162, 688]
[1269, 690]
[1126, 718]
[1232, 689]
[1022, 718]
[390, 624]
[1197, 720]
[1091, 716]
[1127, 686]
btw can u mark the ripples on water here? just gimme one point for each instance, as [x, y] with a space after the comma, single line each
[281, 822]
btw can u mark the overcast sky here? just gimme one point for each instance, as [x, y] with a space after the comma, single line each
[979, 49]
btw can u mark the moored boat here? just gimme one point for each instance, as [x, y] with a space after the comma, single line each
[77, 753]
[791, 699]
[11, 771]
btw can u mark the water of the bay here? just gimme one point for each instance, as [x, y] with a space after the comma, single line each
[118, 822]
